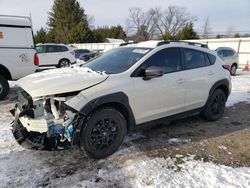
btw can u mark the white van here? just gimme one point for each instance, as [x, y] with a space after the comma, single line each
[17, 54]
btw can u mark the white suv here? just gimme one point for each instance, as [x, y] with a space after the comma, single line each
[59, 55]
[138, 85]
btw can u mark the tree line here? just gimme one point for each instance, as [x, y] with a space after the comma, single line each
[68, 23]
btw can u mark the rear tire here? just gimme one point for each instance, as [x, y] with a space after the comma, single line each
[215, 106]
[64, 63]
[4, 87]
[233, 70]
[103, 133]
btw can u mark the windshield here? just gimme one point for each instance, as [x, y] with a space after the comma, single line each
[117, 60]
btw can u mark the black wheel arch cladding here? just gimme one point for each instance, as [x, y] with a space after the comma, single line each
[118, 101]
[221, 84]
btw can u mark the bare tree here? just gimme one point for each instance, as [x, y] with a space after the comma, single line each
[141, 23]
[156, 22]
[172, 20]
[206, 29]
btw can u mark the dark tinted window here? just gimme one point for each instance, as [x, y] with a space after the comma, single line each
[228, 53]
[220, 53]
[78, 53]
[211, 58]
[51, 49]
[193, 58]
[62, 48]
[84, 51]
[56, 48]
[169, 59]
[40, 49]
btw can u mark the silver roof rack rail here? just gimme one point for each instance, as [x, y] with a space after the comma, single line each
[185, 42]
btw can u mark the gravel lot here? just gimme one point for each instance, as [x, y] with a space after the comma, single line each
[190, 152]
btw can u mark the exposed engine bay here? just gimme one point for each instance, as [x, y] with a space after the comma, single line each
[46, 122]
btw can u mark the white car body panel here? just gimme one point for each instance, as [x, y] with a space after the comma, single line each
[17, 46]
[62, 80]
[164, 96]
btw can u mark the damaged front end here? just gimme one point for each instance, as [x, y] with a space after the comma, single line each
[45, 122]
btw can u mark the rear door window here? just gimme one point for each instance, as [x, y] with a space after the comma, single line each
[50, 49]
[193, 58]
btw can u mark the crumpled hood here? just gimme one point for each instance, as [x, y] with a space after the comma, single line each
[61, 80]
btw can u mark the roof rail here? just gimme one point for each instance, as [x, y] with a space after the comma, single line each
[181, 41]
[127, 43]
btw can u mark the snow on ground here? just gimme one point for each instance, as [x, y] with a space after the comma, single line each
[240, 88]
[162, 172]
[24, 168]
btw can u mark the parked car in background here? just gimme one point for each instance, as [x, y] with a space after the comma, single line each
[125, 88]
[18, 57]
[230, 57]
[84, 54]
[59, 55]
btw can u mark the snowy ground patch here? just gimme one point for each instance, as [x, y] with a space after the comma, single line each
[160, 172]
[240, 88]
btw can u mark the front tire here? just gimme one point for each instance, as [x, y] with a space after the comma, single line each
[215, 106]
[103, 133]
[4, 87]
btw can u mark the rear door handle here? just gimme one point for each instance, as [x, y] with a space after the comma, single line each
[180, 81]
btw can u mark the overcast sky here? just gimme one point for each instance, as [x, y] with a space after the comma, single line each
[222, 13]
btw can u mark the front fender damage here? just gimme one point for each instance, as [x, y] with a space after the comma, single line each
[47, 122]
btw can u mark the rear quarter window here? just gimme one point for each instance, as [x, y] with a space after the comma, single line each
[63, 49]
[211, 58]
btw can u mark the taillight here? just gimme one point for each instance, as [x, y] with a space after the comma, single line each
[36, 59]
[228, 67]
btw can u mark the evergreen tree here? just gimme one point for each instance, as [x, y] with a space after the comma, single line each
[68, 23]
[218, 36]
[101, 33]
[187, 32]
[237, 35]
[40, 36]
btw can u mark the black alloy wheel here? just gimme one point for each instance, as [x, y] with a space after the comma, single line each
[215, 106]
[103, 133]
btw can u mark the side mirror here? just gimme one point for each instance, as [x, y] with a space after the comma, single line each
[153, 72]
